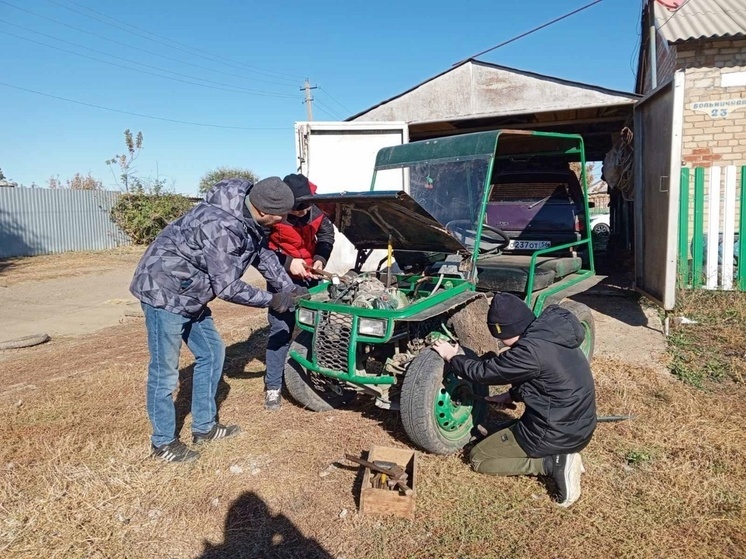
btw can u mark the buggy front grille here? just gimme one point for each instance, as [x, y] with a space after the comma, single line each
[332, 340]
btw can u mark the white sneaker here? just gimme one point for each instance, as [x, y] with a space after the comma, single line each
[272, 400]
[566, 471]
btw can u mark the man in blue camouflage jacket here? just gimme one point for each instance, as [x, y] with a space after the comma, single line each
[201, 256]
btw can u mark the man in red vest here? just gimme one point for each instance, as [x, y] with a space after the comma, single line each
[303, 242]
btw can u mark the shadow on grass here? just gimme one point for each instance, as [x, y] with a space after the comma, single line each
[6, 264]
[240, 354]
[183, 401]
[237, 356]
[252, 531]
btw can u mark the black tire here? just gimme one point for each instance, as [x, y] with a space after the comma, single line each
[585, 316]
[601, 230]
[26, 341]
[311, 390]
[426, 386]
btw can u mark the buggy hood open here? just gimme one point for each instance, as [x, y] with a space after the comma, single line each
[369, 219]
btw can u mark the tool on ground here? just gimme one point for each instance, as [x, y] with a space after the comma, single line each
[388, 474]
[613, 418]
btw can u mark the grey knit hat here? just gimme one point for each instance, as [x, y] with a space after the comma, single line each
[271, 196]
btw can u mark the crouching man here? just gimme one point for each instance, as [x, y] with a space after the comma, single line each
[550, 374]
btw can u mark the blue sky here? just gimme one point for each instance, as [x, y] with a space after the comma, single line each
[358, 53]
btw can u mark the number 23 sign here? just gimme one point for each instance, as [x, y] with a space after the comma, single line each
[721, 108]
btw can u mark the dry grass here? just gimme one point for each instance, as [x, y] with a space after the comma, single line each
[52, 266]
[77, 482]
[714, 349]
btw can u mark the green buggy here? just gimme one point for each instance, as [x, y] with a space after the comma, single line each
[436, 215]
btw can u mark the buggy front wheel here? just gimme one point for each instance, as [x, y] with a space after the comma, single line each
[312, 390]
[438, 409]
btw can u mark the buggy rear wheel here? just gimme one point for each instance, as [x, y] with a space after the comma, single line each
[438, 410]
[312, 390]
[585, 316]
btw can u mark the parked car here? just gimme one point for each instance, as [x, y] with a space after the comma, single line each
[537, 209]
[736, 249]
[600, 225]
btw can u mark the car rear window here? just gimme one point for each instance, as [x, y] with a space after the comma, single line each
[553, 192]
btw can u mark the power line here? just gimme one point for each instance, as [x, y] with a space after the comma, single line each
[333, 99]
[319, 107]
[329, 110]
[216, 85]
[638, 43]
[103, 37]
[139, 114]
[212, 57]
[534, 30]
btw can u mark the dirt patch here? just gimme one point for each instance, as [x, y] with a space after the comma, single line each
[627, 328]
[69, 264]
[71, 294]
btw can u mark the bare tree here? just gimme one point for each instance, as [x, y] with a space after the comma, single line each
[589, 176]
[127, 179]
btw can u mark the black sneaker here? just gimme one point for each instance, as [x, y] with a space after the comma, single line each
[175, 451]
[272, 400]
[218, 431]
[565, 470]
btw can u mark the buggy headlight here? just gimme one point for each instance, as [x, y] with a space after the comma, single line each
[306, 316]
[372, 327]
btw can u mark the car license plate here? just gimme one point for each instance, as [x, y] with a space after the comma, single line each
[528, 245]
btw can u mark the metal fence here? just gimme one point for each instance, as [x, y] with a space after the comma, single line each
[42, 221]
[712, 215]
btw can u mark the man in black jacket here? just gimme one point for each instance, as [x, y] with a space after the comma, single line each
[550, 374]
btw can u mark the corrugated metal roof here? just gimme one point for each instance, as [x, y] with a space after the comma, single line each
[700, 19]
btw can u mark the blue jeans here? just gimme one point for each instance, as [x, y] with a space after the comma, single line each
[166, 330]
[281, 326]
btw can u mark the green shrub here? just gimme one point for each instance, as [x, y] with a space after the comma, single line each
[211, 178]
[143, 216]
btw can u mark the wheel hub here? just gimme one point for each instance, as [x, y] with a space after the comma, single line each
[453, 407]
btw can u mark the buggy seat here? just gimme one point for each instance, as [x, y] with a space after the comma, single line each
[510, 272]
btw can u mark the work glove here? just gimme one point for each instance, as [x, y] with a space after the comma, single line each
[286, 300]
[300, 292]
[282, 302]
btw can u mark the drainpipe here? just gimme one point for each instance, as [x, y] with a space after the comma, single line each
[652, 45]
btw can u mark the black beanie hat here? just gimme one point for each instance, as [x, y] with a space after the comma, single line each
[271, 196]
[300, 187]
[508, 316]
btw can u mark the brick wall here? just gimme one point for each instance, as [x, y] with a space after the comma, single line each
[709, 141]
[666, 63]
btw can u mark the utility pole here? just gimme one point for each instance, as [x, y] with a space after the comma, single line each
[307, 87]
